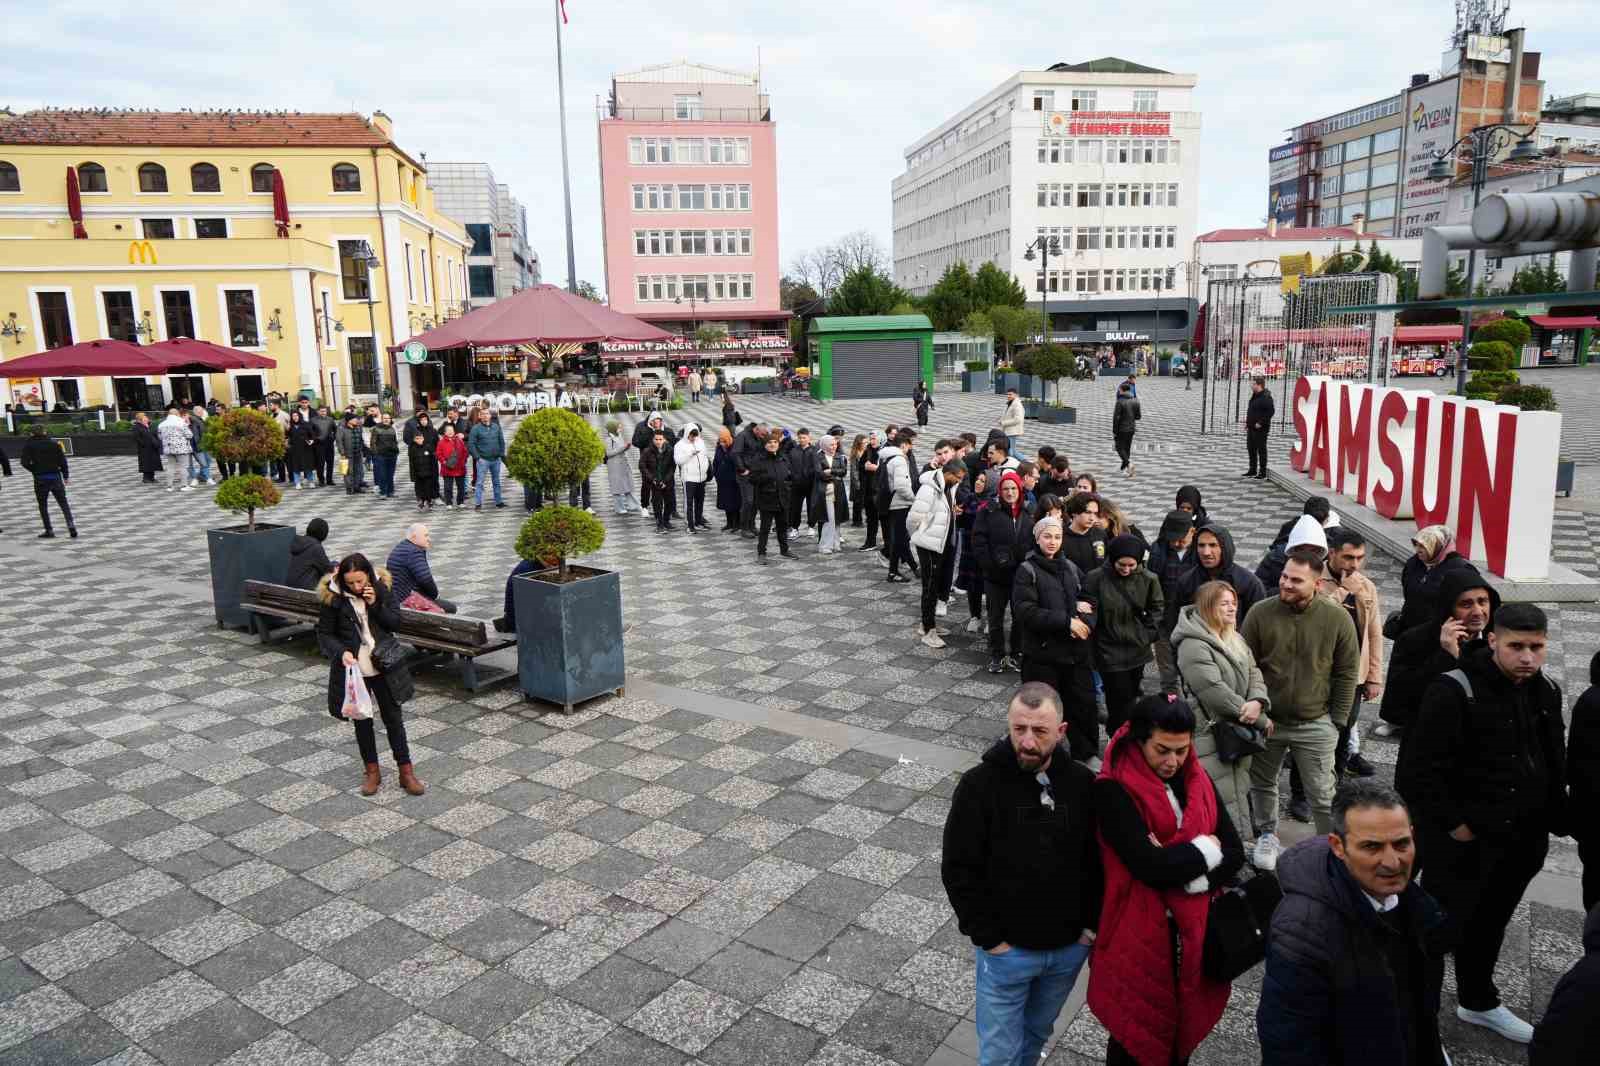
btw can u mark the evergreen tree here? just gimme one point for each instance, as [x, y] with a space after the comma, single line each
[993, 287]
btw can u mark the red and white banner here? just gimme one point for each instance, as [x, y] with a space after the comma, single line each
[1487, 471]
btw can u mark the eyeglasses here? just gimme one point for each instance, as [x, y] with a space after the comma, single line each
[1047, 798]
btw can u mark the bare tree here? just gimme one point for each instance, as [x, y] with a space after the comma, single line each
[860, 249]
[819, 268]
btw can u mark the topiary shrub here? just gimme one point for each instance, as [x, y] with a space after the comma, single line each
[244, 493]
[1528, 397]
[1491, 355]
[251, 439]
[1512, 331]
[554, 448]
[1051, 363]
[1488, 384]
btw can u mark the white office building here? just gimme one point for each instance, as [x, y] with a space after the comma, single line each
[500, 261]
[1100, 157]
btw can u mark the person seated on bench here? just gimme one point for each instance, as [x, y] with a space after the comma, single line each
[308, 562]
[408, 565]
[507, 622]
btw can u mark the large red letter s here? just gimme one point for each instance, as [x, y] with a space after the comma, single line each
[1387, 499]
[1300, 454]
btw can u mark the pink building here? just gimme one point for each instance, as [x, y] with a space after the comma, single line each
[689, 205]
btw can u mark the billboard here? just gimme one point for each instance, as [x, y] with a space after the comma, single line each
[1283, 201]
[1430, 128]
[1108, 123]
[1285, 161]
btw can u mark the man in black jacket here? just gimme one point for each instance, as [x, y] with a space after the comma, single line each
[643, 436]
[1022, 869]
[1583, 782]
[1213, 555]
[770, 485]
[1257, 424]
[44, 459]
[802, 459]
[1489, 775]
[747, 447]
[1354, 963]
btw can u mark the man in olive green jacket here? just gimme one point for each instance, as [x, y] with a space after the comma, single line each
[1307, 650]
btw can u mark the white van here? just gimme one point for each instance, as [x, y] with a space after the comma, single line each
[734, 377]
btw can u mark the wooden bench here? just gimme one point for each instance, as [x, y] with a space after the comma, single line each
[454, 636]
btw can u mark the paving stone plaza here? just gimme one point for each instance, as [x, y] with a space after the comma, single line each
[737, 863]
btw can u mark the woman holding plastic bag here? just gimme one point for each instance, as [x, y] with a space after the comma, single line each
[367, 669]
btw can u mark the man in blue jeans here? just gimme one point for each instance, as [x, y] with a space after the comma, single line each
[1022, 870]
[487, 445]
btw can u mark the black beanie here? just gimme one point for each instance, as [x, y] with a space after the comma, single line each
[317, 529]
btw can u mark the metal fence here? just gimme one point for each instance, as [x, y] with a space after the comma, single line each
[1254, 327]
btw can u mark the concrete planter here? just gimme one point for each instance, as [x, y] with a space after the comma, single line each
[1005, 382]
[239, 555]
[569, 636]
[1566, 472]
[1058, 416]
[975, 381]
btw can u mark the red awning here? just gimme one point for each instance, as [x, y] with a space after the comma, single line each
[87, 360]
[280, 204]
[1444, 333]
[543, 314]
[1572, 322]
[75, 205]
[208, 357]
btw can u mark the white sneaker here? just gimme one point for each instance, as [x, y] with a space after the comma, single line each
[171, 489]
[974, 625]
[932, 639]
[940, 608]
[1501, 1021]
[213, 481]
[187, 488]
[1265, 854]
[1385, 729]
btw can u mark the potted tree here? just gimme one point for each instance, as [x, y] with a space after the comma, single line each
[1050, 363]
[253, 551]
[569, 618]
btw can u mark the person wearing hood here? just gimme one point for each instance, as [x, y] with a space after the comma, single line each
[1189, 499]
[308, 561]
[1214, 561]
[1569, 1032]
[1021, 866]
[1488, 788]
[1258, 424]
[770, 481]
[829, 508]
[802, 459]
[1124, 421]
[1219, 668]
[1435, 558]
[1167, 844]
[694, 466]
[931, 522]
[1323, 516]
[356, 628]
[177, 444]
[1002, 536]
[1056, 618]
[1583, 783]
[1128, 605]
[643, 436]
[618, 477]
[726, 472]
[1171, 557]
[1355, 951]
[1466, 605]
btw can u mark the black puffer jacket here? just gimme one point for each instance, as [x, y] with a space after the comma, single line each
[1044, 600]
[1496, 762]
[1125, 415]
[773, 481]
[1014, 870]
[1259, 414]
[1330, 996]
[338, 631]
[308, 562]
[999, 541]
[747, 447]
[1246, 585]
[1417, 658]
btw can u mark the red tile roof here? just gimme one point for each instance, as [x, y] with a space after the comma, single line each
[1287, 233]
[196, 129]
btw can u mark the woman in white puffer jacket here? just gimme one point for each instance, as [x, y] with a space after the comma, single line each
[931, 523]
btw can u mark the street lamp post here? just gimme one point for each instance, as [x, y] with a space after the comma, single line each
[1484, 141]
[1046, 247]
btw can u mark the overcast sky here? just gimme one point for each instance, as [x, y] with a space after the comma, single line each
[851, 84]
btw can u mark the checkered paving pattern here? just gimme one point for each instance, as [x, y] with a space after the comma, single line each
[189, 876]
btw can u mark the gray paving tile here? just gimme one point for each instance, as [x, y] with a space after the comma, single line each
[555, 1032]
[686, 1016]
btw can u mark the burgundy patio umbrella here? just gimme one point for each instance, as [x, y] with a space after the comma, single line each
[280, 204]
[543, 315]
[187, 355]
[75, 205]
[100, 358]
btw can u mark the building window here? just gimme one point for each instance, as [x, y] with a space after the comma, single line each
[179, 314]
[411, 286]
[1332, 155]
[1387, 141]
[261, 177]
[1382, 207]
[210, 228]
[203, 177]
[363, 364]
[91, 177]
[157, 229]
[687, 106]
[1144, 100]
[1088, 195]
[638, 197]
[120, 322]
[241, 306]
[480, 282]
[1348, 213]
[691, 198]
[1330, 185]
[55, 318]
[9, 179]
[1359, 148]
[1387, 174]
[1044, 100]
[1355, 180]
[353, 272]
[482, 235]
[346, 178]
[152, 177]
[1083, 100]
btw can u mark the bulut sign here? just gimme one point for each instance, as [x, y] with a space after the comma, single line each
[1485, 470]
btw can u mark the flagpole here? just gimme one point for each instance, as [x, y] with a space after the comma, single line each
[566, 176]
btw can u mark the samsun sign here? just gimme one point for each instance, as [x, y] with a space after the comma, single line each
[1485, 470]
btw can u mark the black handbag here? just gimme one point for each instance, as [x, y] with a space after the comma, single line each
[1236, 926]
[391, 658]
[1236, 741]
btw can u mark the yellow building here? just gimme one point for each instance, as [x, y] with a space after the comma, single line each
[182, 239]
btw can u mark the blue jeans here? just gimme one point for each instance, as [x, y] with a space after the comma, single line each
[491, 468]
[383, 473]
[200, 466]
[1019, 995]
[1011, 447]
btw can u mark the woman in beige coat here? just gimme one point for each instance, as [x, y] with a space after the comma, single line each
[1220, 671]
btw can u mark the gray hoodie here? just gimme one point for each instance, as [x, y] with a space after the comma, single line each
[1222, 674]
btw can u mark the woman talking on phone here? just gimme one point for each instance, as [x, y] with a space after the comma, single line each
[356, 629]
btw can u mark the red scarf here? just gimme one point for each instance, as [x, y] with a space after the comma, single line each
[1130, 984]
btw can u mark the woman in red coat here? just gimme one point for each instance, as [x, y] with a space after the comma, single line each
[452, 456]
[1167, 844]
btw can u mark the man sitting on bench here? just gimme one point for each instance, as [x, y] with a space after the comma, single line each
[308, 561]
[409, 571]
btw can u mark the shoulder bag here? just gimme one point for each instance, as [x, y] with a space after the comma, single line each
[1236, 926]
[1236, 741]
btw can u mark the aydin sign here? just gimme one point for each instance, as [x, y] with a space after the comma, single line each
[1484, 470]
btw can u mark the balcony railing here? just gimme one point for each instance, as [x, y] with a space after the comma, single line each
[697, 114]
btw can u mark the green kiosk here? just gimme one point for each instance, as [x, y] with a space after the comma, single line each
[870, 356]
